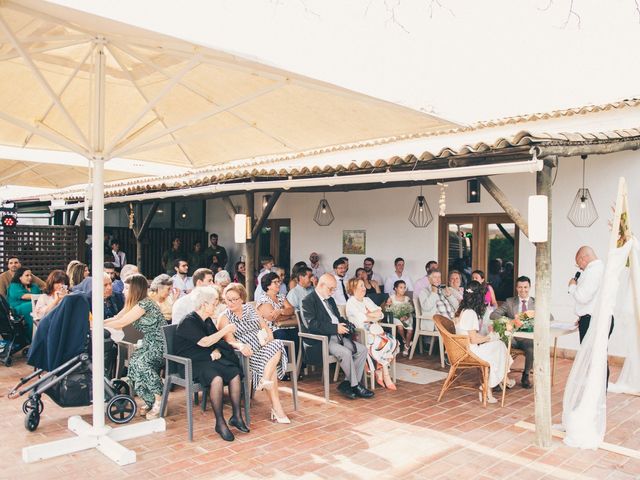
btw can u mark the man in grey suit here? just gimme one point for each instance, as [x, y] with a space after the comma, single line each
[511, 308]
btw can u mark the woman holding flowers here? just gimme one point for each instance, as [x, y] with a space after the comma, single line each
[488, 347]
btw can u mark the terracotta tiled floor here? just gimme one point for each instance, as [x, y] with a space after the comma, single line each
[403, 434]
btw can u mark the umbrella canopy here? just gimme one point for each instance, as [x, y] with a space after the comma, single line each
[168, 100]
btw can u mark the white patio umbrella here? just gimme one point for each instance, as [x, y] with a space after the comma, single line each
[75, 82]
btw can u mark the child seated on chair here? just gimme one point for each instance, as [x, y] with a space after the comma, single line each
[399, 305]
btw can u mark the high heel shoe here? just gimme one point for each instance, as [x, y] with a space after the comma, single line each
[264, 385]
[277, 419]
[239, 424]
[225, 434]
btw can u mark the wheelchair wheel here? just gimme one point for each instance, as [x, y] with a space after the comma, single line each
[32, 404]
[121, 409]
[121, 387]
[32, 420]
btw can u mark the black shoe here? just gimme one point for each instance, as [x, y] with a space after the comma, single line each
[239, 424]
[225, 433]
[286, 378]
[360, 391]
[345, 389]
[525, 381]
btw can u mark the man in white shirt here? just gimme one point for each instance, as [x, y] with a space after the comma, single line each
[584, 287]
[119, 257]
[203, 277]
[397, 275]
[314, 263]
[368, 267]
[423, 282]
[340, 294]
[302, 289]
[181, 280]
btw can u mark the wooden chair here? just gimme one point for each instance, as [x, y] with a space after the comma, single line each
[327, 359]
[460, 357]
[178, 371]
[425, 327]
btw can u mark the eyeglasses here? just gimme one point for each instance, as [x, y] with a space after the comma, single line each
[233, 300]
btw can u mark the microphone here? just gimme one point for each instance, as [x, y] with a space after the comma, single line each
[577, 276]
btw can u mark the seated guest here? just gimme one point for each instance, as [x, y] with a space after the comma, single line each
[438, 299]
[405, 323]
[203, 277]
[214, 361]
[321, 317]
[372, 287]
[423, 282]
[254, 339]
[181, 280]
[116, 283]
[77, 274]
[146, 362]
[113, 302]
[340, 295]
[162, 292]
[489, 294]
[371, 275]
[293, 281]
[19, 296]
[13, 264]
[222, 278]
[240, 273]
[489, 348]
[127, 271]
[398, 274]
[283, 285]
[302, 289]
[70, 266]
[382, 348]
[511, 308]
[267, 265]
[55, 289]
[455, 284]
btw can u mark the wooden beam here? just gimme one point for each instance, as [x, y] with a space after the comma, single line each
[140, 232]
[250, 262]
[74, 217]
[506, 205]
[147, 220]
[229, 207]
[541, 334]
[574, 150]
[265, 214]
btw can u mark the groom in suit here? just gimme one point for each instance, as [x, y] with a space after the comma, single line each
[511, 308]
[321, 317]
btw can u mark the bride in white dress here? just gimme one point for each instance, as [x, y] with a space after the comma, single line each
[488, 347]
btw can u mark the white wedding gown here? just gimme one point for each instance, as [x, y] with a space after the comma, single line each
[584, 403]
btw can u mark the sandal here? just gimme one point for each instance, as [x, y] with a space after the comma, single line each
[264, 385]
[380, 378]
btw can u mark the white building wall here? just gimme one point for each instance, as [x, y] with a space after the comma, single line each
[384, 215]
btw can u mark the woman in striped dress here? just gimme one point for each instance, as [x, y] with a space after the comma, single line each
[267, 356]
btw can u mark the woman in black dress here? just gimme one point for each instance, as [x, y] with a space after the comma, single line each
[214, 360]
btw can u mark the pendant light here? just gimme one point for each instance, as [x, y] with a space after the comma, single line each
[420, 215]
[583, 211]
[324, 215]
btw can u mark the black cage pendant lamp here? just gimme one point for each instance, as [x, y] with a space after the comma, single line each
[583, 211]
[420, 216]
[324, 215]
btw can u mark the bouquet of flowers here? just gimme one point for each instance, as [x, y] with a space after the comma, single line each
[504, 326]
[400, 311]
[527, 320]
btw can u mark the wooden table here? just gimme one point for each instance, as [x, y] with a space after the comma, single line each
[555, 333]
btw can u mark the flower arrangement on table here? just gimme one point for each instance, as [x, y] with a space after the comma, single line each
[403, 312]
[505, 327]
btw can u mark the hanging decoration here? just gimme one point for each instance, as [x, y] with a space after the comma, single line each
[583, 211]
[131, 216]
[442, 201]
[420, 215]
[324, 215]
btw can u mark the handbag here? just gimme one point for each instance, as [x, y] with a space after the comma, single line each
[262, 337]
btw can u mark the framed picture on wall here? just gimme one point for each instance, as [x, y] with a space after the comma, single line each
[354, 242]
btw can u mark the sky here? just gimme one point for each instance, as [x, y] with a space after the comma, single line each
[466, 60]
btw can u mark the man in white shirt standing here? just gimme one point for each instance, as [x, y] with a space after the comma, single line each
[340, 294]
[181, 280]
[119, 257]
[203, 277]
[397, 275]
[584, 287]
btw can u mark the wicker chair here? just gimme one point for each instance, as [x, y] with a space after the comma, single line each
[460, 357]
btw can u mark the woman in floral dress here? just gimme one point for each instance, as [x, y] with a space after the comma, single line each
[146, 361]
[254, 339]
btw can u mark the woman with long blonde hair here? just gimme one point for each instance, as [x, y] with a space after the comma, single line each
[146, 361]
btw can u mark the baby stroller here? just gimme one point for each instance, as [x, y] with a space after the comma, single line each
[13, 332]
[60, 348]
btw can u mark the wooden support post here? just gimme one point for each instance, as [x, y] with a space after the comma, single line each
[255, 231]
[140, 232]
[229, 207]
[74, 217]
[503, 201]
[541, 336]
[250, 263]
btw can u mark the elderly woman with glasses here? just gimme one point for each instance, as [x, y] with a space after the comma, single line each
[214, 361]
[254, 339]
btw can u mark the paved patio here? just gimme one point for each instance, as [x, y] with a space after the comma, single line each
[402, 434]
